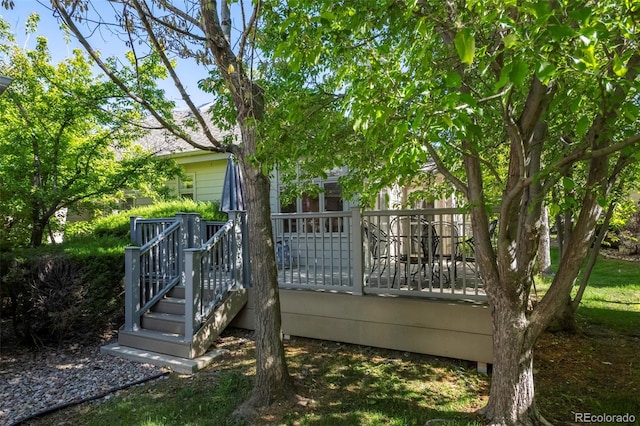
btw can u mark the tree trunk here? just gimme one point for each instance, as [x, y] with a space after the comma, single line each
[37, 233]
[566, 319]
[544, 248]
[272, 377]
[512, 397]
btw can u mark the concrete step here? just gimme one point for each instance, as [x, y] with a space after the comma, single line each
[177, 364]
[170, 305]
[167, 323]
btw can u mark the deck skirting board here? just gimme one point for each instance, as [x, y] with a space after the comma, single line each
[441, 328]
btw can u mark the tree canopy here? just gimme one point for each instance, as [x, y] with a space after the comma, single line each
[516, 104]
[66, 137]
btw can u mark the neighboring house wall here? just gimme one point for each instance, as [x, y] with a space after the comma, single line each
[204, 176]
[202, 181]
[204, 170]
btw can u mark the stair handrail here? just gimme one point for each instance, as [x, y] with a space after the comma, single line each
[158, 263]
[213, 270]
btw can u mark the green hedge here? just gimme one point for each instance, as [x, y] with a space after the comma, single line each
[63, 291]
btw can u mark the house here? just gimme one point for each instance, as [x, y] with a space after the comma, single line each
[203, 170]
[389, 277]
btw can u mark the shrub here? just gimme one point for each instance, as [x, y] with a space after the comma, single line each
[118, 224]
[55, 296]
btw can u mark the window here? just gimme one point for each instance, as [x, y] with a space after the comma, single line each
[186, 186]
[329, 200]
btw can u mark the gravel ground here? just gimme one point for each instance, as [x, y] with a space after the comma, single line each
[31, 382]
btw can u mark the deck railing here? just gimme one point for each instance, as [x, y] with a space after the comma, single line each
[315, 250]
[214, 269]
[420, 253]
[424, 253]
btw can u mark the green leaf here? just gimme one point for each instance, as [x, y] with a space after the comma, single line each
[504, 77]
[568, 183]
[453, 79]
[447, 121]
[619, 67]
[519, 72]
[582, 125]
[575, 105]
[545, 71]
[581, 14]
[327, 15]
[589, 57]
[465, 46]
[560, 32]
[631, 112]
[510, 40]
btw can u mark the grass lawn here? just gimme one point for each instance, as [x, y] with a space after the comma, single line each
[339, 384]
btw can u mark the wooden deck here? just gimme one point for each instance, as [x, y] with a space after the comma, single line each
[394, 288]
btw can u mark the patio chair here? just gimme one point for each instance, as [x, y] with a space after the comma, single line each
[378, 243]
[423, 243]
[466, 249]
[465, 254]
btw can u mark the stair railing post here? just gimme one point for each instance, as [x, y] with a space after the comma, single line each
[132, 289]
[191, 223]
[192, 292]
[356, 250]
[190, 236]
[233, 250]
[135, 230]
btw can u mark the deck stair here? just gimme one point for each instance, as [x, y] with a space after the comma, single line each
[184, 283]
[163, 327]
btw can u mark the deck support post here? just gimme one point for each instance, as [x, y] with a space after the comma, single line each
[357, 252]
[132, 288]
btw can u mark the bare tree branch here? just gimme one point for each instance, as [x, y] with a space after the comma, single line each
[173, 129]
[176, 80]
[181, 14]
[248, 28]
[461, 186]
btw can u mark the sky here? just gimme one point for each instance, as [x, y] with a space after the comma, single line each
[49, 27]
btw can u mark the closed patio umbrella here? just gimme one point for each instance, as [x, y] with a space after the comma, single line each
[232, 188]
